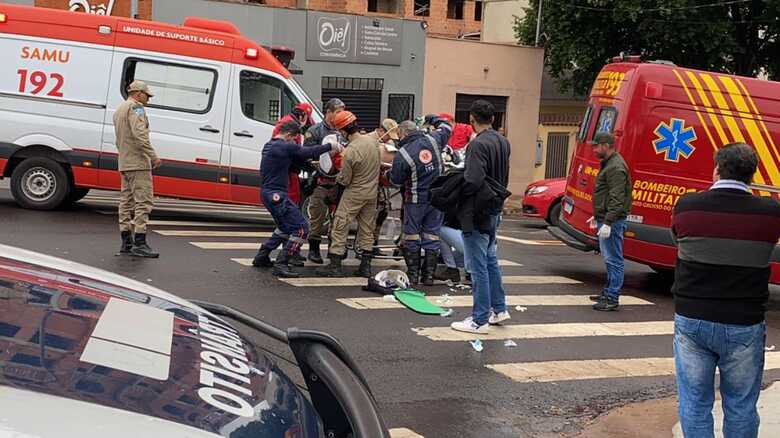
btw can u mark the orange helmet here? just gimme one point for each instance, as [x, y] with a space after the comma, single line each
[343, 119]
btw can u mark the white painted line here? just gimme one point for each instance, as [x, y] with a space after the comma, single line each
[375, 262]
[260, 214]
[537, 279]
[404, 433]
[184, 203]
[546, 331]
[566, 370]
[234, 245]
[212, 233]
[126, 358]
[378, 303]
[531, 242]
[359, 281]
[120, 316]
[202, 224]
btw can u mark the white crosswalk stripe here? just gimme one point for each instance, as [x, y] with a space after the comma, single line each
[566, 370]
[233, 245]
[358, 281]
[530, 242]
[404, 433]
[383, 263]
[183, 206]
[170, 223]
[379, 303]
[559, 330]
[213, 233]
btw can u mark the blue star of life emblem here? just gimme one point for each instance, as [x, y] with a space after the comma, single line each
[674, 139]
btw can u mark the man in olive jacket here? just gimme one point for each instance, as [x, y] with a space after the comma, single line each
[611, 205]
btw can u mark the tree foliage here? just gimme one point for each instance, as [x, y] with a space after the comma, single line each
[733, 36]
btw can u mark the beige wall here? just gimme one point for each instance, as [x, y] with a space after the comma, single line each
[473, 67]
[498, 19]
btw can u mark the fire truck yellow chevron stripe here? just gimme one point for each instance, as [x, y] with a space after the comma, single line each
[696, 108]
[728, 117]
[745, 91]
[706, 102]
[725, 111]
[767, 160]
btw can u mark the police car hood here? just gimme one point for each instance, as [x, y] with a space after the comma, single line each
[87, 353]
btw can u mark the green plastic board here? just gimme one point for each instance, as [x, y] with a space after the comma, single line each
[415, 300]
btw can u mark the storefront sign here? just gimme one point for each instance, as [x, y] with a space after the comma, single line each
[347, 38]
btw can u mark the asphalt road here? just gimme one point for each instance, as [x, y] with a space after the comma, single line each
[436, 388]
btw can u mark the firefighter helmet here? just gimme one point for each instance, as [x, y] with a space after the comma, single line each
[344, 119]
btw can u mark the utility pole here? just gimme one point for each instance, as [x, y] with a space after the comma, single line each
[134, 14]
[538, 22]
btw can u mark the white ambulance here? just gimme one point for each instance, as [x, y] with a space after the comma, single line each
[217, 98]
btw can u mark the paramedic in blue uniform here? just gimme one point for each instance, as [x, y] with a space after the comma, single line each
[291, 227]
[416, 165]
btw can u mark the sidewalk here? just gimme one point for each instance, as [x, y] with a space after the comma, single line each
[768, 410]
[658, 419]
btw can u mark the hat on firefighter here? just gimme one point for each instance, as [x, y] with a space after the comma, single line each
[391, 127]
[140, 86]
[306, 109]
[602, 138]
[344, 120]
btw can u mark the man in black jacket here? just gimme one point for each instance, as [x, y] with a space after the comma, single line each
[487, 168]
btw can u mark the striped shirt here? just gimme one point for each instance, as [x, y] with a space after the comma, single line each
[726, 239]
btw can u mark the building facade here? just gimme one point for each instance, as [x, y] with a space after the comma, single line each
[560, 113]
[457, 72]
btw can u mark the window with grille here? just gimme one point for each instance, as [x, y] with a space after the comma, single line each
[400, 107]
[422, 8]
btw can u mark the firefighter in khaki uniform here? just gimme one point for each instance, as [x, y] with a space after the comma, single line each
[136, 161]
[360, 177]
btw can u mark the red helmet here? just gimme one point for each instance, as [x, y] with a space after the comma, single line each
[305, 108]
[344, 119]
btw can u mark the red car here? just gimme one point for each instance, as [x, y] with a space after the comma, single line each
[543, 199]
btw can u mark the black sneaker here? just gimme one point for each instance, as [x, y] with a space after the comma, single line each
[283, 270]
[297, 260]
[597, 298]
[606, 305]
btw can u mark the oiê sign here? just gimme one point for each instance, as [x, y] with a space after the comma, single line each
[86, 6]
[349, 38]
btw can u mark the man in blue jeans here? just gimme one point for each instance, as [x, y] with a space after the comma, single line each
[611, 205]
[725, 238]
[487, 169]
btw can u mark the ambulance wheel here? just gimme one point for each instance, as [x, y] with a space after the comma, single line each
[554, 216]
[76, 194]
[40, 184]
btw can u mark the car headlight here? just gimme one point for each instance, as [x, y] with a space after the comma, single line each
[536, 190]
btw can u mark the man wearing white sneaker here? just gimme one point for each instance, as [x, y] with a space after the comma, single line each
[482, 198]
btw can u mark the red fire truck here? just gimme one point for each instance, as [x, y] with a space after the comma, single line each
[668, 121]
